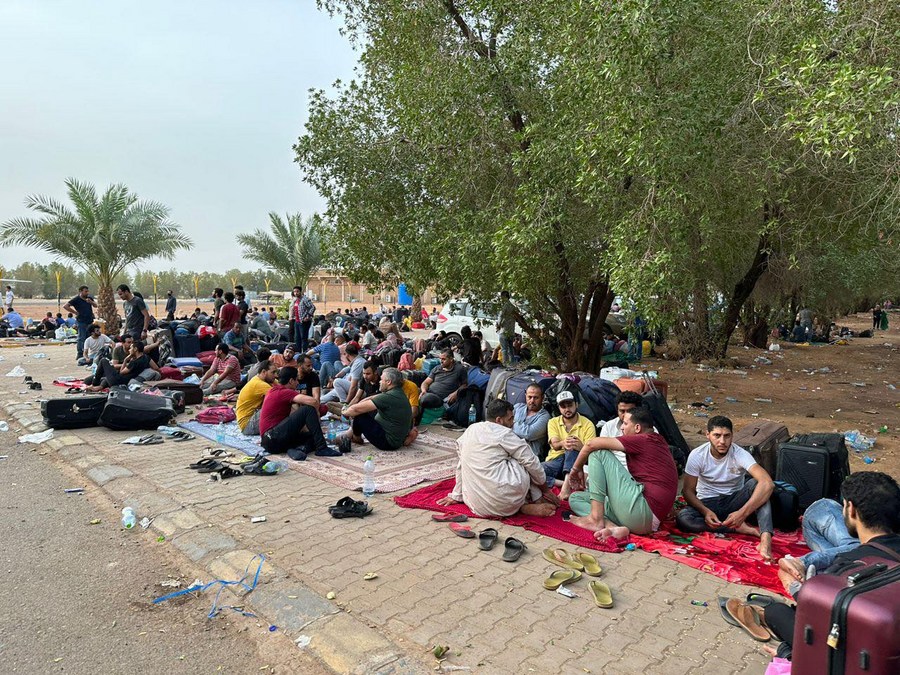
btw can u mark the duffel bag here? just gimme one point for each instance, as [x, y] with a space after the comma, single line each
[128, 410]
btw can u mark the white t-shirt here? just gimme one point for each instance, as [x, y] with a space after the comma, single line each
[718, 477]
[92, 346]
[9, 298]
[613, 429]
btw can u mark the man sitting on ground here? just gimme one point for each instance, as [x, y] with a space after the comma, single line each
[135, 363]
[237, 345]
[718, 498]
[385, 419]
[329, 356]
[346, 382]
[286, 358]
[625, 401]
[369, 385]
[96, 344]
[530, 420]
[308, 382]
[48, 326]
[443, 384]
[871, 512]
[617, 501]
[223, 374]
[289, 423]
[497, 474]
[411, 390]
[567, 435]
[250, 399]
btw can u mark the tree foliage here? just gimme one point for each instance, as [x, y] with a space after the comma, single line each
[292, 248]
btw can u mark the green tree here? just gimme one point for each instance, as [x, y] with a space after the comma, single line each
[292, 248]
[103, 234]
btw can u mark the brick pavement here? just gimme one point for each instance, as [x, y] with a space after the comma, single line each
[432, 587]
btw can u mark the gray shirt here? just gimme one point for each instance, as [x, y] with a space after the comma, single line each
[134, 316]
[445, 382]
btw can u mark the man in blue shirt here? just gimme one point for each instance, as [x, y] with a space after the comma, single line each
[328, 356]
[82, 305]
[530, 420]
[14, 319]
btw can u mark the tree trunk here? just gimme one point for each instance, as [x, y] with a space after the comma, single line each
[107, 310]
[416, 312]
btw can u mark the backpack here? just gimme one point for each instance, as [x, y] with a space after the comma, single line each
[216, 414]
[785, 502]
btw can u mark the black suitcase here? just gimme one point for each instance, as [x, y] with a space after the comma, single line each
[177, 399]
[127, 410]
[73, 412]
[186, 345]
[662, 418]
[815, 464]
[417, 377]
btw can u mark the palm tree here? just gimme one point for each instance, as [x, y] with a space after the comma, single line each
[103, 235]
[292, 249]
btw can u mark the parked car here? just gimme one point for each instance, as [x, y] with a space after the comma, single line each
[459, 312]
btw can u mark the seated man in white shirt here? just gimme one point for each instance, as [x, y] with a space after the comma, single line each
[625, 401]
[718, 497]
[498, 474]
[94, 346]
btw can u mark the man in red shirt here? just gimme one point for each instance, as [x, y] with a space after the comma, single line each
[289, 420]
[619, 501]
[223, 374]
[229, 315]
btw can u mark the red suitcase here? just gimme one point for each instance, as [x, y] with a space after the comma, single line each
[761, 439]
[849, 624]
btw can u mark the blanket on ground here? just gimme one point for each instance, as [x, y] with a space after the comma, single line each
[234, 438]
[733, 558]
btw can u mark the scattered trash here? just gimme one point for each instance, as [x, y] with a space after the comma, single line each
[868, 460]
[883, 429]
[731, 399]
[699, 603]
[369, 576]
[763, 361]
[18, 371]
[857, 441]
[170, 583]
[272, 629]
[824, 369]
[73, 491]
[4, 427]
[774, 347]
[161, 538]
[440, 650]
[192, 379]
[198, 587]
[258, 519]
[763, 400]
[4, 456]
[330, 595]
[95, 521]
[859, 384]
[38, 438]
[630, 547]
[303, 641]
[39, 355]
[892, 387]
[128, 518]
[145, 523]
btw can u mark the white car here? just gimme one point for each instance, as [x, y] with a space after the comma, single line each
[459, 312]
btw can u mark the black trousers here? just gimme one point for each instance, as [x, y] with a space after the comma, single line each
[301, 429]
[780, 618]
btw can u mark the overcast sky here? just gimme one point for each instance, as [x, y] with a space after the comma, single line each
[193, 103]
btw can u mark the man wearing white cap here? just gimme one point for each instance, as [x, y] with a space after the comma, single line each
[566, 434]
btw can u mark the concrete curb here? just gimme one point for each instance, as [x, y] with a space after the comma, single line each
[342, 642]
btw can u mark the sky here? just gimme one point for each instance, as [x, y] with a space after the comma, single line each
[195, 104]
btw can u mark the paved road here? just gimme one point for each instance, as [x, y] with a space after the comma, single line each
[76, 597]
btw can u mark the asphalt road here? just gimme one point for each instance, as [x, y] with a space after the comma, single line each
[76, 597]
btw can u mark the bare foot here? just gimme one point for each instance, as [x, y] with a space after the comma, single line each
[793, 567]
[564, 491]
[765, 546]
[603, 535]
[771, 651]
[540, 509]
[411, 436]
[586, 522]
[619, 532]
[747, 529]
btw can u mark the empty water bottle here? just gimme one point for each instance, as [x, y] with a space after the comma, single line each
[331, 432]
[472, 414]
[220, 433]
[368, 487]
[128, 518]
[275, 466]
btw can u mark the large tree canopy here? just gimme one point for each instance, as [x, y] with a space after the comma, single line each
[566, 149]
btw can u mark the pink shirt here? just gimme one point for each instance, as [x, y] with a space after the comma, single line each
[220, 366]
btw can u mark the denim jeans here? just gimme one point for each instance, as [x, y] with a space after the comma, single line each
[825, 533]
[691, 520]
[506, 348]
[301, 335]
[556, 467]
[328, 371]
[82, 336]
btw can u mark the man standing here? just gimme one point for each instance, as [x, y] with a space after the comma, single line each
[288, 423]
[718, 498]
[530, 420]
[618, 502]
[506, 327]
[302, 312]
[385, 419]
[171, 304]
[497, 474]
[250, 400]
[137, 316]
[567, 435]
[223, 374]
[443, 384]
[82, 305]
[229, 314]
[9, 298]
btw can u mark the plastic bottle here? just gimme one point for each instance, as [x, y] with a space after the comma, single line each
[4, 427]
[368, 487]
[128, 518]
[331, 432]
[220, 433]
[275, 466]
[472, 414]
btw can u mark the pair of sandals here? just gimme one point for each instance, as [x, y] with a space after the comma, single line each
[34, 385]
[213, 466]
[347, 507]
[147, 439]
[749, 614]
[575, 565]
[487, 539]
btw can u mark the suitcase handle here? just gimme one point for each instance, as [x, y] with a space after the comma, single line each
[651, 387]
[854, 579]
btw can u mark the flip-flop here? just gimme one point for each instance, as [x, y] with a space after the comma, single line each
[449, 517]
[512, 549]
[747, 619]
[725, 615]
[211, 468]
[761, 617]
[179, 436]
[601, 594]
[464, 531]
[561, 557]
[347, 507]
[227, 472]
[560, 578]
[591, 566]
[760, 599]
[215, 452]
[203, 463]
[487, 538]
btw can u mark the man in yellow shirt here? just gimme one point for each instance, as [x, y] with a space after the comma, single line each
[567, 434]
[250, 399]
[412, 393]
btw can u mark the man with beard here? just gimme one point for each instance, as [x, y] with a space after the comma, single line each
[531, 420]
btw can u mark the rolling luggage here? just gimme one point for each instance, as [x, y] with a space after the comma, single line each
[566, 384]
[761, 440]
[496, 387]
[849, 623]
[73, 412]
[186, 345]
[662, 418]
[518, 383]
[127, 410]
[785, 502]
[193, 394]
[816, 464]
[601, 394]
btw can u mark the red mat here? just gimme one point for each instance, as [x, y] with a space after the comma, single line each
[733, 558]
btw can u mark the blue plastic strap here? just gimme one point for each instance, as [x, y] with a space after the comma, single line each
[214, 611]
